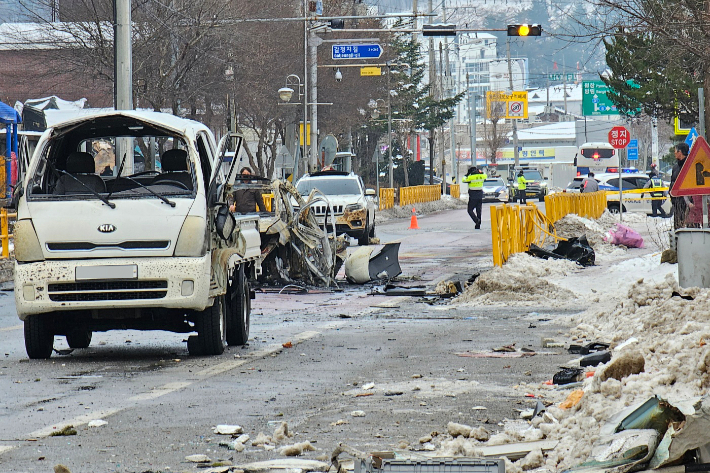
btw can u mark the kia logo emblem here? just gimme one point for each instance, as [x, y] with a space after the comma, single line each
[107, 228]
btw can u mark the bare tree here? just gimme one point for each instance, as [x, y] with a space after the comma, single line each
[494, 129]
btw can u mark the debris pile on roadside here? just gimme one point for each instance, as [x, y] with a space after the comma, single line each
[640, 402]
[521, 281]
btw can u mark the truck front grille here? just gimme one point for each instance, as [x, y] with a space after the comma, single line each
[125, 245]
[107, 291]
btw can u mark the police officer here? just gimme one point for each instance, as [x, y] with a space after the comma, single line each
[474, 177]
[656, 203]
[522, 187]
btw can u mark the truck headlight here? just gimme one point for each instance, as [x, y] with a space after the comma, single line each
[27, 247]
[192, 240]
[543, 184]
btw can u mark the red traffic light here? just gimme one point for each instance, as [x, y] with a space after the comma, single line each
[524, 30]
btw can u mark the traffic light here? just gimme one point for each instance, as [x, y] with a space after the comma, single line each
[524, 30]
[337, 24]
[440, 29]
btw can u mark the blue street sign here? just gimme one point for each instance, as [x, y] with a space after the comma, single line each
[692, 135]
[632, 150]
[357, 51]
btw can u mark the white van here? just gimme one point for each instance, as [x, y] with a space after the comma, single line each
[122, 224]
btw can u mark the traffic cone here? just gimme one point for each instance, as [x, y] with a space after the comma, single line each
[414, 225]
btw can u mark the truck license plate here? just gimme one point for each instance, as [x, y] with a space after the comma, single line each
[126, 271]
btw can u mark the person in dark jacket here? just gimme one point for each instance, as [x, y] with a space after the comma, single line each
[474, 178]
[247, 200]
[680, 208]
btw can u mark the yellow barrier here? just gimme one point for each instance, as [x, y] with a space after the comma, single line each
[268, 199]
[418, 194]
[589, 205]
[515, 227]
[386, 198]
[5, 234]
[455, 191]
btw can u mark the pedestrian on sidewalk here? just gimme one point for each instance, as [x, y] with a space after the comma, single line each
[474, 177]
[680, 207]
[589, 184]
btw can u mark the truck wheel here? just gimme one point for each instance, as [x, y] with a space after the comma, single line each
[39, 338]
[210, 330]
[541, 198]
[364, 239]
[79, 338]
[238, 308]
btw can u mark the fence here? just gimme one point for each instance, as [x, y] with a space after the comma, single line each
[455, 191]
[418, 194]
[386, 198]
[5, 234]
[589, 205]
[515, 227]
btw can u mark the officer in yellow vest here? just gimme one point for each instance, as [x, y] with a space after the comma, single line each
[474, 177]
[522, 187]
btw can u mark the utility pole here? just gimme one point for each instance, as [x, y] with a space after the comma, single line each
[304, 134]
[389, 127]
[471, 122]
[432, 85]
[452, 131]
[564, 86]
[123, 75]
[313, 53]
[440, 96]
[515, 123]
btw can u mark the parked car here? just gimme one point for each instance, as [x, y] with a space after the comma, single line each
[353, 205]
[632, 202]
[495, 190]
[437, 181]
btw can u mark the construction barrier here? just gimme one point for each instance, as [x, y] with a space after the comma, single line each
[5, 234]
[386, 198]
[455, 191]
[417, 194]
[589, 205]
[515, 227]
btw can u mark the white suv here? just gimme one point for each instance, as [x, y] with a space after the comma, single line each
[353, 205]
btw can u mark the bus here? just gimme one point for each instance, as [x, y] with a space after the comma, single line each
[596, 157]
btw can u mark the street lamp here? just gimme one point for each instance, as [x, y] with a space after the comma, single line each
[377, 105]
[285, 94]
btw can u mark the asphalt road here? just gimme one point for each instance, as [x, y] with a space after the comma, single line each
[161, 404]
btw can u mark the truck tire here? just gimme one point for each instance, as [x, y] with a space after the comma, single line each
[39, 338]
[79, 338]
[210, 326]
[541, 197]
[238, 308]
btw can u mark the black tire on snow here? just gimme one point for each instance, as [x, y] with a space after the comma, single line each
[237, 308]
[209, 324]
[79, 338]
[39, 338]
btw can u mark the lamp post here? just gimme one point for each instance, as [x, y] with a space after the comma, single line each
[285, 94]
[376, 105]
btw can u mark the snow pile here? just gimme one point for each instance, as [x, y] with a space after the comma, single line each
[672, 336]
[573, 225]
[522, 280]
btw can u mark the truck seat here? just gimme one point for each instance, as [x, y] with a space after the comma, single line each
[81, 166]
[174, 165]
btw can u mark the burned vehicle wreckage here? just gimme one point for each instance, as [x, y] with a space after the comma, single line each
[295, 248]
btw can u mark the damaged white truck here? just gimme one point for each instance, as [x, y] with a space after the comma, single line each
[122, 223]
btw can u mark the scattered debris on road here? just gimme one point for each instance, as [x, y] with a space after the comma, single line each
[370, 263]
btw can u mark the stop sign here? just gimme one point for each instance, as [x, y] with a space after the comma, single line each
[619, 137]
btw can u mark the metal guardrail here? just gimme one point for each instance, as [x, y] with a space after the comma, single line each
[418, 194]
[515, 227]
[386, 198]
[5, 234]
[589, 205]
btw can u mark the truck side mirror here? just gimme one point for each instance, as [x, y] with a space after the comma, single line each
[575, 161]
[224, 222]
[17, 193]
[370, 192]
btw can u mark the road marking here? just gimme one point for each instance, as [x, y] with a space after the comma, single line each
[171, 387]
[76, 421]
[7, 329]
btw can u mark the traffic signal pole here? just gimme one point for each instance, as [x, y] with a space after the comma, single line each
[515, 123]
